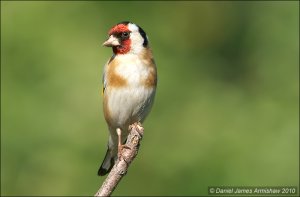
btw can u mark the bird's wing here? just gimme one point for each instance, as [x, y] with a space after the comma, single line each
[104, 81]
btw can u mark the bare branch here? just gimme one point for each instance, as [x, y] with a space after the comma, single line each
[121, 167]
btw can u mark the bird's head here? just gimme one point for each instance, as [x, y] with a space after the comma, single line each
[126, 37]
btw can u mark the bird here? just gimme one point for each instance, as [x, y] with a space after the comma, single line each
[129, 86]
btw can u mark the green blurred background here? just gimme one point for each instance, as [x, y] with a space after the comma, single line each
[226, 111]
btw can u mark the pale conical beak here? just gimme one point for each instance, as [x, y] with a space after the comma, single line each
[111, 41]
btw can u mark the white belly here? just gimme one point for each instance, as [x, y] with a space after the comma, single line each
[130, 102]
[129, 105]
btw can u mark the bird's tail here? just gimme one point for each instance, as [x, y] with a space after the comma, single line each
[107, 163]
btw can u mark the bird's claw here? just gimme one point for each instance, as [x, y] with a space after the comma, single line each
[120, 149]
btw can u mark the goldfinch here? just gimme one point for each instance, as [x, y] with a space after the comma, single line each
[129, 85]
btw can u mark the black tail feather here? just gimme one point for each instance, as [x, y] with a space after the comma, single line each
[108, 158]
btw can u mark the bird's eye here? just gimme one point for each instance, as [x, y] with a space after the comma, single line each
[125, 34]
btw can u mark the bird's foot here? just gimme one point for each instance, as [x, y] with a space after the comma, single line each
[120, 149]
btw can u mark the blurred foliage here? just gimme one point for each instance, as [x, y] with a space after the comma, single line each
[226, 111]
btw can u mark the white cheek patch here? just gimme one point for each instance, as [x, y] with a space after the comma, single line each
[136, 42]
[132, 27]
[136, 39]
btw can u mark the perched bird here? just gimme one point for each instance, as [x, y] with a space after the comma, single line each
[129, 84]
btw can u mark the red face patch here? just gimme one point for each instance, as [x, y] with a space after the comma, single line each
[125, 44]
[122, 49]
[118, 29]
